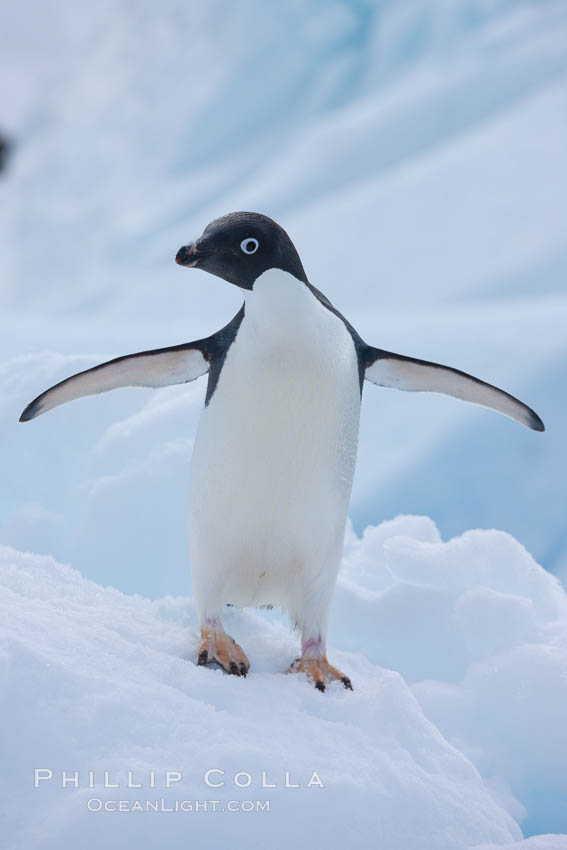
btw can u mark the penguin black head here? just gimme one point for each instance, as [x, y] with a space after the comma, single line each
[241, 246]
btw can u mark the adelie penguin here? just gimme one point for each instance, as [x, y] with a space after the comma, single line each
[275, 450]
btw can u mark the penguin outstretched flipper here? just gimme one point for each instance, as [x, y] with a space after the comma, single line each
[158, 368]
[407, 373]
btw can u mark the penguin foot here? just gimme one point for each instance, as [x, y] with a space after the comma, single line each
[217, 647]
[320, 672]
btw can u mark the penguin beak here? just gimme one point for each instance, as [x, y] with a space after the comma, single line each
[190, 256]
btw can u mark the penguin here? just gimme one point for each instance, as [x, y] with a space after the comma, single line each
[276, 445]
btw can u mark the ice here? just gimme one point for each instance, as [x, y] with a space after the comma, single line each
[416, 154]
[479, 630]
[453, 737]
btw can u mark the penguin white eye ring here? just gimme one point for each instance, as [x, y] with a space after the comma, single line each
[275, 450]
[249, 245]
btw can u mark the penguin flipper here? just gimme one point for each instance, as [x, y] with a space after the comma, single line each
[386, 369]
[161, 367]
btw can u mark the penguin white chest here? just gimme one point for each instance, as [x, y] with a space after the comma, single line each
[275, 451]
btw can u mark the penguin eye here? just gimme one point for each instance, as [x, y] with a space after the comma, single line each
[249, 246]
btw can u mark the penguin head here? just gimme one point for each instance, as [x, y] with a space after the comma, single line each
[241, 246]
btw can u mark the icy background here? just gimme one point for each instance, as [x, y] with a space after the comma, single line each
[416, 151]
[417, 154]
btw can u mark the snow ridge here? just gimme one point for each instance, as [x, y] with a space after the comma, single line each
[455, 749]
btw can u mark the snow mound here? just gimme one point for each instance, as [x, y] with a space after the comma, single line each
[453, 750]
[479, 631]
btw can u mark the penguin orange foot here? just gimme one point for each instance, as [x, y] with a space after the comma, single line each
[217, 647]
[320, 672]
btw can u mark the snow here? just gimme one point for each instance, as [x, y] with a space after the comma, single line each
[477, 629]
[416, 153]
[453, 736]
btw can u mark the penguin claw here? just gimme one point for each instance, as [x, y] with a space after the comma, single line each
[320, 672]
[219, 648]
